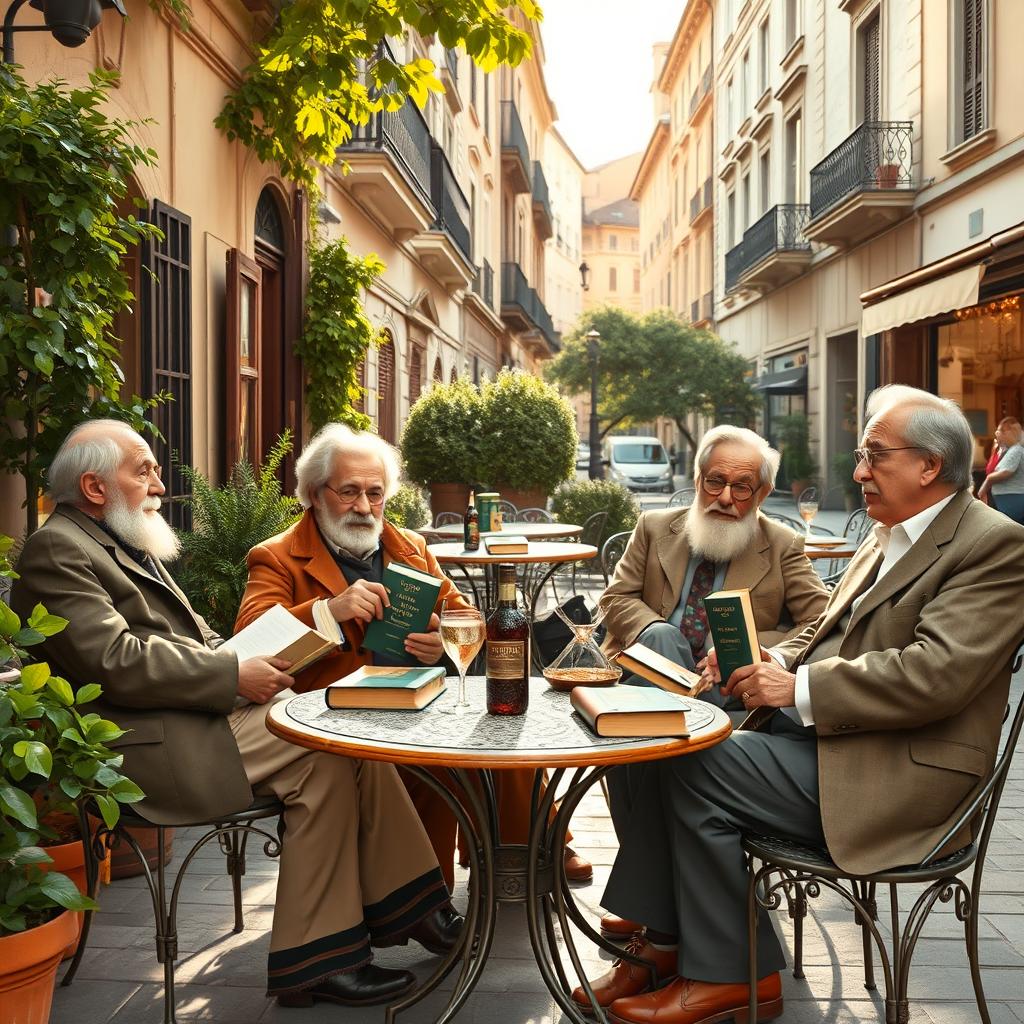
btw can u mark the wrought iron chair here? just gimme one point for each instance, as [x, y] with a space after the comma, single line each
[779, 517]
[801, 872]
[447, 518]
[231, 832]
[684, 497]
[509, 513]
[858, 526]
[534, 515]
[612, 550]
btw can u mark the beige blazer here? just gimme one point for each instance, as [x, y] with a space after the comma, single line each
[908, 708]
[140, 640]
[785, 592]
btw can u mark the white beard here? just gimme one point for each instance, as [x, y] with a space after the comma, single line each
[719, 540]
[143, 528]
[360, 541]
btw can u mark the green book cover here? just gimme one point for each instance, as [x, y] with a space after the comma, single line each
[413, 594]
[400, 679]
[731, 621]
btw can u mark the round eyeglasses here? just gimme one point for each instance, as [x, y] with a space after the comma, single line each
[350, 495]
[714, 485]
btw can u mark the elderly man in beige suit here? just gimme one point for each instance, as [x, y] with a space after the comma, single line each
[891, 706]
[678, 556]
[356, 867]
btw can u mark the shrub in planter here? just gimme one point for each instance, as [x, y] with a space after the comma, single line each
[527, 436]
[439, 438]
[407, 508]
[573, 503]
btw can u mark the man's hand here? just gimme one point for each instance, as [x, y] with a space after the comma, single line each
[765, 685]
[261, 679]
[426, 647]
[363, 600]
[710, 673]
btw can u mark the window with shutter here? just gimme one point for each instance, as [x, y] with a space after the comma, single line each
[244, 362]
[359, 405]
[871, 71]
[167, 350]
[972, 66]
[386, 388]
[415, 375]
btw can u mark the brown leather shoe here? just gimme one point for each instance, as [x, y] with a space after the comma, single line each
[577, 868]
[699, 1002]
[627, 978]
[615, 927]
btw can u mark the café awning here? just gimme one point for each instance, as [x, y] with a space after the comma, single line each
[940, 295]
[791, 381]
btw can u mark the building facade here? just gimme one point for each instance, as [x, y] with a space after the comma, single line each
[563, 287]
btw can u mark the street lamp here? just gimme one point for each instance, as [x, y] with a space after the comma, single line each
[596, 467]
[585, 276]
[70, 22]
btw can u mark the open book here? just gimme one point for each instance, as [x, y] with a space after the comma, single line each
[279, 634]
[661, 671]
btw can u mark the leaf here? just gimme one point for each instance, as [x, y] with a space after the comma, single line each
[30, 855]
[34, 677]
[64, 892]
[9, 622]
[88, 693]
[109, 809]
[36, 755]
[61, 689]
[46, 623]
[18, 805]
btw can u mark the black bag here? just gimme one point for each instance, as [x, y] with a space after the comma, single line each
[551, 634]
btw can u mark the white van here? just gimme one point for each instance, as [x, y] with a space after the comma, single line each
[639, 463]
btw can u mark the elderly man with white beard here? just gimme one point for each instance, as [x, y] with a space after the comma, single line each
[676, 557]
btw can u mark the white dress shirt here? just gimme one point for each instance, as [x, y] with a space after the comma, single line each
[895, 542]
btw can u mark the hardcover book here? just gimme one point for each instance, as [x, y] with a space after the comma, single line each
[377, 686]
[661, 671]
[630, 711]
[506, 544]
[731, 621]
[413, 594]
[279, 634]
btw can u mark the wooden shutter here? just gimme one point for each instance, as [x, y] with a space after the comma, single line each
[438, 369]
[872, 93]
[242, 367]
[167, 350]
[386, 389]
[973, 68]
[415, 374]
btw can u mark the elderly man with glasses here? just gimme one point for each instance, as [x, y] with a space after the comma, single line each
[676, 557]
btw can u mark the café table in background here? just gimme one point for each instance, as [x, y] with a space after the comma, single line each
[531, 531]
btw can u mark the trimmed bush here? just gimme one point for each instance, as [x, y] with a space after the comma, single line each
[407, 508]
[573, 503]
[440, 435]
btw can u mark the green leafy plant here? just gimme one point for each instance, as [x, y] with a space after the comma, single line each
[64, 165]
[226, 522]
[53, 758]
[843, 465]
[797, 462]
[321, 70]
[576, 502]
[527, 436]
[407, 508]
[441, 434]
[177, 9]
[337, 332]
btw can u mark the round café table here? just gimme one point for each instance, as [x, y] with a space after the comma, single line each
[466, 748]
[531, 531]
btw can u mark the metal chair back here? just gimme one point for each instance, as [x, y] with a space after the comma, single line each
[612, 550]
[683, 498]
[535, 515]
[593, 528]
[509, 513]
[447, 518]
[793, 524]
[858, 526]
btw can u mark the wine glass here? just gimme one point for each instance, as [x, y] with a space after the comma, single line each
[807, 503]
[462, 636]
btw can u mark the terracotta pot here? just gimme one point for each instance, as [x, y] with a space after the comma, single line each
[69, 859]
[449, 498]
[28, 969]
[527, 498]
[887, 176]
[124, 863]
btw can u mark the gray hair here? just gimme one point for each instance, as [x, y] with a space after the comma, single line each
[935, 425]
[316, 463]
[100, 454]
[727, 434]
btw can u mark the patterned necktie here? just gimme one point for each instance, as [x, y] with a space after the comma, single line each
[694, 623]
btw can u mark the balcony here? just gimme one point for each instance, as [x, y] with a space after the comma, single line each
[446, 249]
[541, 204]
[701, 95]
[483, 284]
[707, 310]
[449, 75]
[700, 203]
[864, 185]
[524, 312]
[774, 250]
[515, 154]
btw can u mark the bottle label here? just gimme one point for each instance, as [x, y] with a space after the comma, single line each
[507, 592]
[506, 659]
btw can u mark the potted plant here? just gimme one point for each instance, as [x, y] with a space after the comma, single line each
[439, 443]
[843, 465]
[887, 176]
[798, 464]
[406, 508]
[527, 438]
[53, 758]
[576, 502]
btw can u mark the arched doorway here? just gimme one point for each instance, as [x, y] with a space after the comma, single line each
[386, 388]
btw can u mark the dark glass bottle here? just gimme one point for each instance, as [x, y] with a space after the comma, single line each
[508, 650]
[471, 526]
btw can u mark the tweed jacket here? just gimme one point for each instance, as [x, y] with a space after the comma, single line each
[908, 700]
[785, 592]
[162, 679]
[295, 569]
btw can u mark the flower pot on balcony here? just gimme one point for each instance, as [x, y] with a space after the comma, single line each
[887, 176]
[28, 969]
[448, 498]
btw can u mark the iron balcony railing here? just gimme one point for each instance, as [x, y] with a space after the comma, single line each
[540, 189]
[878, 156]
[483, 283]
[700, 200]
[512, 134]
[517, 293]
[694, 311]
[707, 192]
[781, 229]
[450, 203]
[707, 306]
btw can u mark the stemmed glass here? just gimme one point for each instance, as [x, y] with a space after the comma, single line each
[807, 503]
[462, 635]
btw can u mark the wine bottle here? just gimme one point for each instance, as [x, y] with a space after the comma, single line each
[471, 526]
[508, 650]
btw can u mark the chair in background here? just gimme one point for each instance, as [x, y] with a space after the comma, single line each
[534, 515]
[509, 513]
[593, 529]
[612, 551]
[793, 524]
[683, 498]
[858, 526]
[447, 518]
[801, 872]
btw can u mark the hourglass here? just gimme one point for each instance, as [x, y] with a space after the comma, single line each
[581, 663]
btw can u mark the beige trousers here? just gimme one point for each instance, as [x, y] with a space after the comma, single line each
[356, 864]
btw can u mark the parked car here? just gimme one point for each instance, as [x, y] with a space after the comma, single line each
[639, 463]
[583, 455]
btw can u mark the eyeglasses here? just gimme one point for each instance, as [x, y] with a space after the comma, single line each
[869, 455]
[350, 495]
[714, 485]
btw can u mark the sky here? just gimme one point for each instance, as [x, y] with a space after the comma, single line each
[599, 71]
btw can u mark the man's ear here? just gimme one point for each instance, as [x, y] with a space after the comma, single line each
[94, 488]
[932, 468]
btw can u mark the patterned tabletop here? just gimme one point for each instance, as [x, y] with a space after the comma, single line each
[549, 734]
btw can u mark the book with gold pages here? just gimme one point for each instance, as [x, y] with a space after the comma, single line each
[506, 544]
[387, 688]
[630, 711]
[661, 671]
[279, 634]
[731, 621]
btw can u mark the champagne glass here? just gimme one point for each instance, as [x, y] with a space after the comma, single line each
[462, 636]
[807, 503]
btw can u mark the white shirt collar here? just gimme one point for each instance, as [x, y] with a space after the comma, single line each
[910, 530]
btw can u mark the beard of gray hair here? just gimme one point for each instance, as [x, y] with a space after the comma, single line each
[138, 528]
[353, 540]
[719, 540]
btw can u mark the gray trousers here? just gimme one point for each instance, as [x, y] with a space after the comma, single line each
[680, 868]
